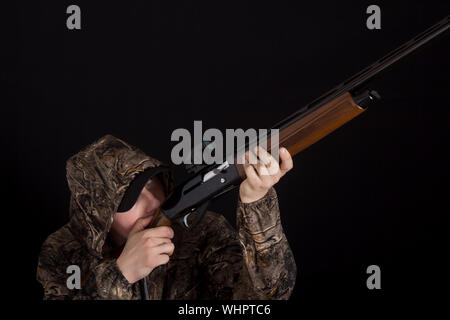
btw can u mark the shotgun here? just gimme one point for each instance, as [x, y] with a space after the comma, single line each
[296, 132]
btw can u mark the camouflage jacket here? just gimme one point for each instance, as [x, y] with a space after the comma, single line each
[210, 261]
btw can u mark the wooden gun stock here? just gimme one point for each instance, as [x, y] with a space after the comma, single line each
[319, 123]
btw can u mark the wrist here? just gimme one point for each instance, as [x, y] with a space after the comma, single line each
[122, 270]
[251, 196]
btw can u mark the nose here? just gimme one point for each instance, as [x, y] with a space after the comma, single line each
[151, 202]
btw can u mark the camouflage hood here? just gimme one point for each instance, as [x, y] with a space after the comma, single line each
[98, 177]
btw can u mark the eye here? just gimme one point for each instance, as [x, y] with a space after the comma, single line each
[147, 185]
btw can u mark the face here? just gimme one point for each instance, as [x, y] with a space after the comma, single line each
[150, 199]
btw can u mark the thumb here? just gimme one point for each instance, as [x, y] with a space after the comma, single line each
[140, 225]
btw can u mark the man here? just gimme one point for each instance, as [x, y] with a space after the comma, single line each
[115, 192]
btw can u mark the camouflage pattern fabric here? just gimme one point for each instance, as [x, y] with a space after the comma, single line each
[210, 261]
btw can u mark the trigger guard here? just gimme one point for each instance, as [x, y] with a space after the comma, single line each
[185, 220]
[200, 211]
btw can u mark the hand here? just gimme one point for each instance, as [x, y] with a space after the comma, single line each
[145, 250]
[264, 174]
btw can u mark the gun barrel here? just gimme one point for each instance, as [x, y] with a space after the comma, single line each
[357, 81]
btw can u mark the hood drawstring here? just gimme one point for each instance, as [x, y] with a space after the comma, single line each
[144, 289]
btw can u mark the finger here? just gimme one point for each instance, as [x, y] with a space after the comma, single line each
[162, 232]
[251, 156]
[270, 162]
[261, 169]
[161, 259]
[252, 175]
[254, 156]
[140, 225]
[156, 241]
[286, 161]
[264, 156]
[165, 248]
[267, 179]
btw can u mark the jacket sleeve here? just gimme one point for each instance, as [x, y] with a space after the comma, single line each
[259, 264]
[103, 281]
[269, 265]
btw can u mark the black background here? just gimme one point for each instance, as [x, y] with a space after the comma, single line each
[373, 192]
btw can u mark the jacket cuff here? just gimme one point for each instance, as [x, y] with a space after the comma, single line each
[260, 220]
[111, 283]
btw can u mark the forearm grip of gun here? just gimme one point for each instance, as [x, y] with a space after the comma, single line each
[319, 123]
[312, 127]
